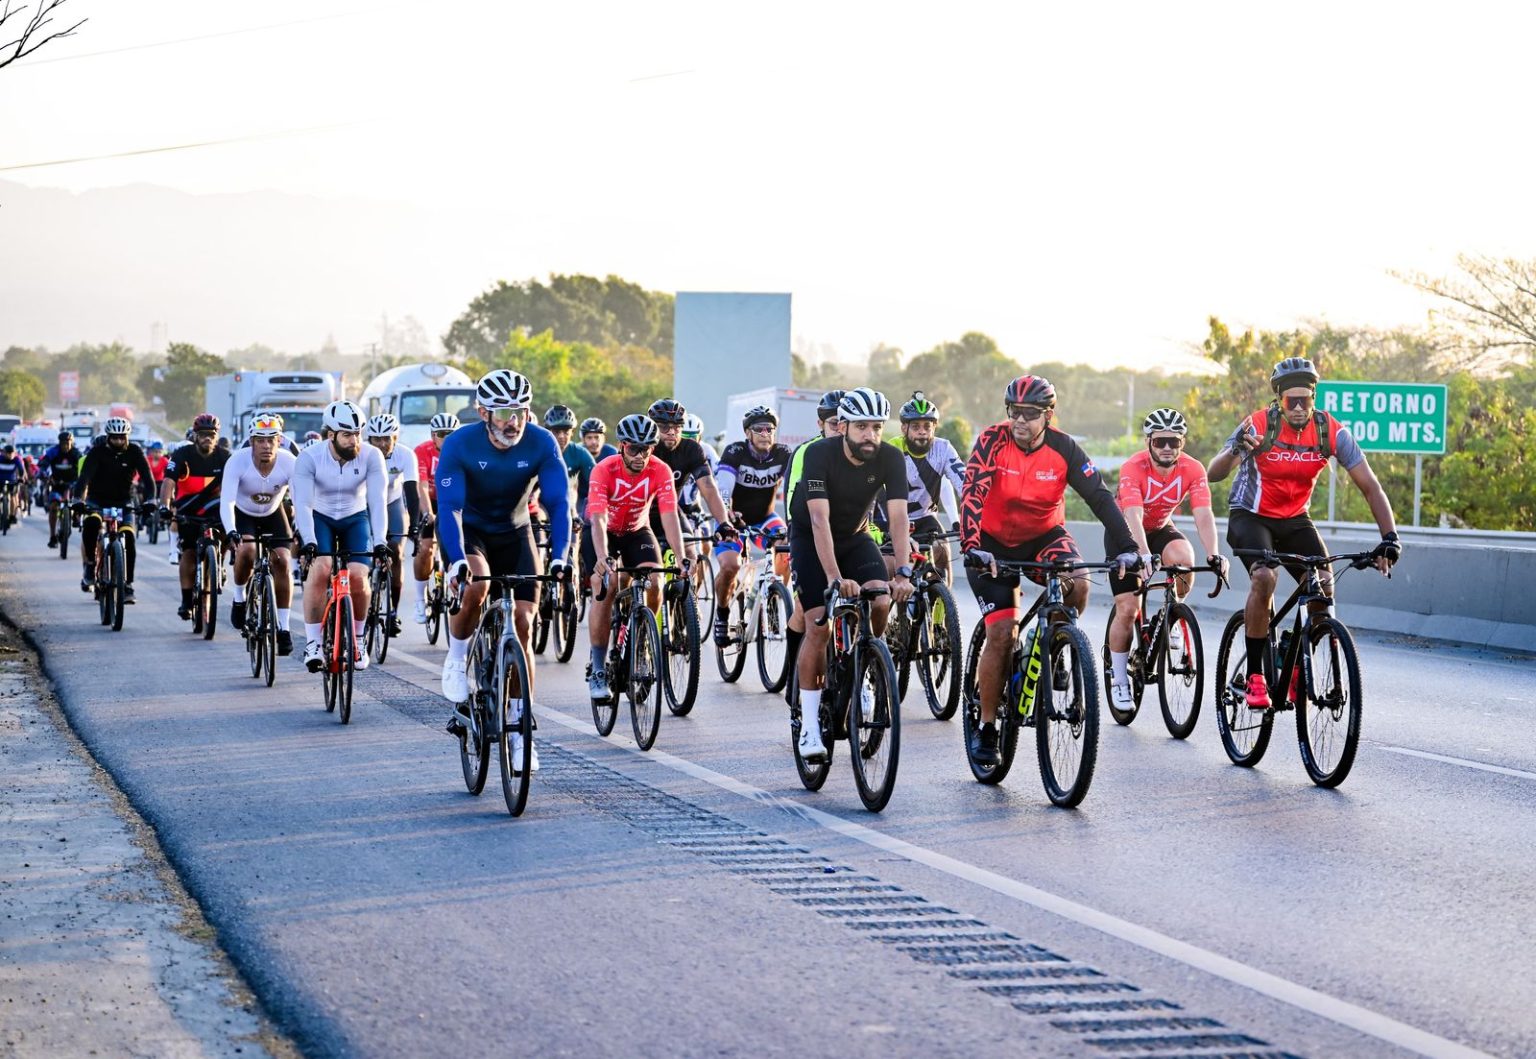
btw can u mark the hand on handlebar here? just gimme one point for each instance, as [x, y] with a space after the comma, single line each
[848, 589]
[901, 589]
[1221, 565]
[982, 557]
[1126, 563]
[1388, 552]
[458, 576]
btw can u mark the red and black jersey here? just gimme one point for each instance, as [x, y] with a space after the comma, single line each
[198, 479]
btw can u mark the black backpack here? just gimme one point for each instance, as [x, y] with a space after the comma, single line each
[1272, 433]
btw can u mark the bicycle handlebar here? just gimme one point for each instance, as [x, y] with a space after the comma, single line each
[636, 571]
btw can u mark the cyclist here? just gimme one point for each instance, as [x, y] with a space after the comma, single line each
[623, 490]
[256, 479]
[829, 541]
[931, 460]
[750, 474]
[13, 477]
[106, 480]
[1279, 451]
[594, 435]
[427, 453]
[60, 467]
[485, 477]
[193, 476]
[157, 460]
[339, 488]
[831, 427]
[688, 463]
[560, 421]
[1153, 485]
[1013, 506]
[403, 498]
[693, 430]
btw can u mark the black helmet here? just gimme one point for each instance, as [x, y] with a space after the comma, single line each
[1293, 371]
[759, 414]
[1030, 389]
[919, 407]
[827, 408]
[65, 435]
[593, 425]
[667, 411]
[559, 417]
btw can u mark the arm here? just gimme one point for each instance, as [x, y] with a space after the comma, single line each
[1133, 517]
[1381, 507]
[711, 494]
[146, 474]
[597, 521]
[1205, 526]
[302, 486]
[974, 489]
[1242, 441]
[450, 503]
[377, 486]
[411, 489]
[1083, 477]
[232, 471]
[555, 486]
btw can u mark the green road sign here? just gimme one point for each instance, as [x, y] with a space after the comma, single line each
[1388, 416]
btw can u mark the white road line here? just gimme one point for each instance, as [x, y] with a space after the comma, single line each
[1363, 1020]
[1463, 762]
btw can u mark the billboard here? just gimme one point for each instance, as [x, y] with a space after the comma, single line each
[1389, 416]
[725, 344]
[69, 387]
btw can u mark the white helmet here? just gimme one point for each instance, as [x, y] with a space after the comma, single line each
[693, 426]
[503, 388]
[383, 425]
[117, 425]
[343, 415]
[266, 425]
[864, 406]
[1164, 419]
[444, 421]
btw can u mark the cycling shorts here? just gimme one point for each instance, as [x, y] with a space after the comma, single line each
[757, 533]
[352, 534]
[1157, 540]
[636, 548]
[998, 596]
[396, 528]
[273, 525]
[1297, 534]
[508, 553]
[858, 559]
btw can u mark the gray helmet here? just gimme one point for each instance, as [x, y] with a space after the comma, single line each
[637, 430]
[1293, 371]
[864, 406]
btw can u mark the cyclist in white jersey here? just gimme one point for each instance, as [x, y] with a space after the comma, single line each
[931, 463]
[403, 499]
[251, 504]
[338, 505]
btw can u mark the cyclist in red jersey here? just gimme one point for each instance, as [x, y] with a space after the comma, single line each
[1154, 483]
[427, 454]
[1014, 507]
[619, 498]
[1279, 451]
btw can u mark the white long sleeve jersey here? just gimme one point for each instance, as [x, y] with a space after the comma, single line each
[400, 467]
[324, 485]
[246, 488]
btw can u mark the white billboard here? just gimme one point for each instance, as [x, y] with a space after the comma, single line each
[726, 343]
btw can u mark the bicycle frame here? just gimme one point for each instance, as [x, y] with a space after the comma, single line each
[1308, 590]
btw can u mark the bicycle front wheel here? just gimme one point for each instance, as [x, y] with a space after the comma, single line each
[1180, 670]
[116, 583]
[874, 729]
[644, 686]
[1244, 733]
[346, 655]
[63, 524]
[266, 632]
[328, 674]
[773, 659]
[254, 629]
[1132, 669]
[514, 717]
[103, 583]
[681, 646]
[566, 621]
[475, 739]
[1328, 718]
[210, 594]
[732, 658]
[1067, 716]
[938, 652]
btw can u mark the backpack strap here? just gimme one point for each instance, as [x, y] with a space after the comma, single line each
[1324, 435]
[1272, 432]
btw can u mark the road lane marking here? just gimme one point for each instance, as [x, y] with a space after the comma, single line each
[1463, 762]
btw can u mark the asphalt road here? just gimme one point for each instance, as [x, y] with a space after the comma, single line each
[697, 901]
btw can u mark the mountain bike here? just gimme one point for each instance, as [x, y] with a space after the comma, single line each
[111, 562]
[858, 703]
[377, 622]
[1166, 650]
[1322, 682]
[635, 663]
[338, 638]
[761, 606]
[1050, 686]
[59, 511]
[678, 624]
[207, 577]
[926, 632]
[260, 629]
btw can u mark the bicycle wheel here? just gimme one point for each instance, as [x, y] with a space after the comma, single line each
[938, 652]
[255, 621]
[540, 623]
[812, 773]
[1180, 675]
[210, 596]
[5, 515]
[329, 678]
[475, 740]
[514, 716]
[732, 658]
[681, 648]
[117, 583]
[63, 524]
[874, 730]
[970, 716]
[898, 642]
[266, 632]
[345, 659]
[435, 609]
[772, 648]
[567, 623]
[1244, 733]
[152, 528]
[605, 713]
[1328, 718]
[1132, 670]
[102, 579]
[382, 619]
[644, 686]
[1067, 720]
[704, 581]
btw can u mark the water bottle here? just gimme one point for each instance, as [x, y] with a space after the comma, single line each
[1285, 644]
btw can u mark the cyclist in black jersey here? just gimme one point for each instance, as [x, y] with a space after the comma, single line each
[106, 480]
[749, 477]
[685, 458]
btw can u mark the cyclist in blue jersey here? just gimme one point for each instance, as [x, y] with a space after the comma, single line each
[579, 463]
[60, 466]
[485, 476]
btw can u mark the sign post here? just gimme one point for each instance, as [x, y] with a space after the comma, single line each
[69, 387]
[1391, 417]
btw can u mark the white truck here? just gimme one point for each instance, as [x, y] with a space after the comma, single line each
[299, 397]
[796, 410]
[415, 393]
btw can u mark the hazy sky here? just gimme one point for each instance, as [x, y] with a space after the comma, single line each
[1088, 181]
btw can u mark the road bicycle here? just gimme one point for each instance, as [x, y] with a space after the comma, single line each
[678, 624]
[59, 512]
[858, 703]
[378, 622]
[556, 609]
[1050, 686]
[1322, 682]
[436, 602]
[1166, 650]
[111, 561]
[338, 636]
[704, 570]
[260, 629]
[8, 507]
[499, 704]
[635, 662]
[925, 634]
[760, 607]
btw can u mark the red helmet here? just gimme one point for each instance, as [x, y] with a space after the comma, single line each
[1030, 389]
[206, 421]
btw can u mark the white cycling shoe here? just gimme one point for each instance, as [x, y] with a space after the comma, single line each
[516, 740]
[359, 658]
[421, 612]
[811, 747]
[314, 656]
[455, 680]
[1120, 695]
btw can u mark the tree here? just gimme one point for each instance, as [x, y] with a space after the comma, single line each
[179, 383]
[609, 313]
[404, 341]
[965, 378]
[957, 430]
[1492, 313]
[255, 357]
[31, 30]
[22, 394]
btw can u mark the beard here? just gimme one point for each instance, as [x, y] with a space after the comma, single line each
[919, 448]
[865, 451]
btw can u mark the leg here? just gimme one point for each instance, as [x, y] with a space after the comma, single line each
[282, 584]
[523, 620]
[996, 656]
[245, 559]
[1178, 552]
[314, 591]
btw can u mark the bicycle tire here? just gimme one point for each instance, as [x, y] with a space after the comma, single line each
[435, 609]
[813, 774]
[568, 626]
[328, 678]
[874, 731]
[1318, 715]
[515, 775]
[152, 529]
[970, 717]
[732, 658]
[347, 661]
[387, 613]
[1065, 730]
[646, 677]
[680, 650]
[117, 567]
[773, 628]
[210, 596]
[1244, 740]
[5, 516]
[267, 631]
[254, 618]
[99, 586]
[540, 625]
[938, 636]
[63, 528]
[1132, 669]
[475, 739]
[1180, 681]
[899, 628]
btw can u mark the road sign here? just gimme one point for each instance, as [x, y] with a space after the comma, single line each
[1388, 416]
[69, 387]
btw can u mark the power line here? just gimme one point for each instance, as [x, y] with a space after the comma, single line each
[182, 146]
[186, 40]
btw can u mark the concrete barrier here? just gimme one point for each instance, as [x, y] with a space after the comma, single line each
[1481, 592]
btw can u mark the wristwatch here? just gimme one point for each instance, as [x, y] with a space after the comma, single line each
[904, 571]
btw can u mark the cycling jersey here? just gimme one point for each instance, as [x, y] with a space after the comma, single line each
[13, 469]
[157, 462]
[1013, 495]
[197, 479]
[247, 490]
[926, 474]
[399, 468]
[749, 480]
[579, 465]
[625, 497]
[61, 466]
[427, 454]
[849, 488]
[324, 485]
[1278, 483]
[687, 462]
[486, 489]
[688, 496]
[1159, 491]
[792, 476]
[108, 474]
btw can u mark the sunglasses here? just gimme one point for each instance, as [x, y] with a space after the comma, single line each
[1302, 401]
[763, 428]
[508, 415]
[1026, 412]
[637, 451]
[1167, 443]
[205, 433]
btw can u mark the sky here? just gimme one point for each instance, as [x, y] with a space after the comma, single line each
[1087, 182]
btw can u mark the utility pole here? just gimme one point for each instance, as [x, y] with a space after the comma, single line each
[1130, 405]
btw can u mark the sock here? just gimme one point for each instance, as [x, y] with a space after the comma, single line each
[312, 632]
[599, 658]
[458, 649]
[810, 707]
[1256, 648]
[723, 613]
[420, 589]
[792, 642]
[186, 598]
[1117, 662]
[358, 627]
[239, 593]
[284, 615]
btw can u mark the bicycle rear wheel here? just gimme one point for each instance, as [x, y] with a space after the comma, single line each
[681, 648]
[255, 619]
[1244, 733]
[773, 661]
[704, 581]
[812, 773]
[938, 652]
[898, 643]
[1328, 718]
[874, 730]
[540, 623]
[1180, 674]
[566, 625]
[1067, 721]
[266, 632]
[346, 658]
[1132, 670]
[514, 716]
[732, 658]
[436, 607]
[329, 678]
[382, 613]
[210, 595]
[646, 677]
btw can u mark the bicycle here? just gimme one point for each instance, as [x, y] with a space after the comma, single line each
[111, 563]
[1179, 675]
[207, 578]
[678, 624]
[762, 606]
[59, 511]
[1322, 702]
[1066, 717]
[496, 662]
[555, 610]
[376, 623]
[260, 628]
[7, 507]
[436, 604]
[338, 638]
[635, 664]
[927, 632]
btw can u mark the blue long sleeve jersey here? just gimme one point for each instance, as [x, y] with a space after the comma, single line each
[486, 489]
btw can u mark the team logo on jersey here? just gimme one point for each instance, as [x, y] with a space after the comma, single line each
[631, 492]
[522, 464]
[261, 498]
[1089, 470]
[816, 486]
[1172, 490]
[483, 464]
[1047, 476]
[445, 482]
